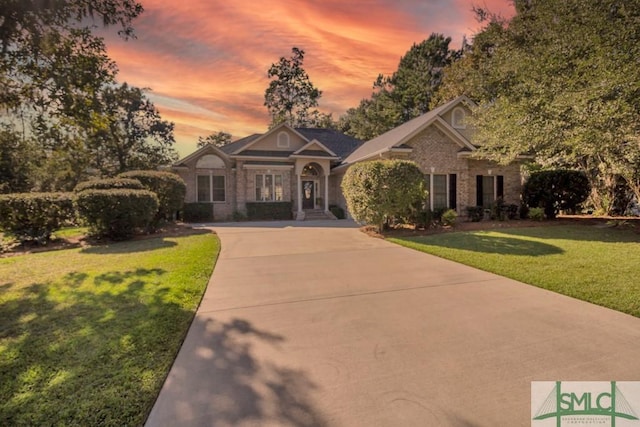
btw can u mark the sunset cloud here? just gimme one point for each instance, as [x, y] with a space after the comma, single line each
[206, 61]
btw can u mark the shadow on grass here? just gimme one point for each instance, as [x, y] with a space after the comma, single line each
[130, 246]
[95, 351]
[227, 381]
[482, 242]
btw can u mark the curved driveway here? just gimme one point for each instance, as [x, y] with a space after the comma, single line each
[315, 323]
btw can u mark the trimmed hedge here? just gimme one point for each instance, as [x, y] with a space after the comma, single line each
[34, 216]
[117, 213]
[269, 210]
[475, 213]
[109, 183]
[337, 211]
[169, 188]
[197, 212]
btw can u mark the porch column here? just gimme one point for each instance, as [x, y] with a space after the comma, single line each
[326, 192]
[299, 192]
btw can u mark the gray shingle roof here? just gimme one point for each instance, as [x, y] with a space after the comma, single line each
[236, 145]
[336, 141]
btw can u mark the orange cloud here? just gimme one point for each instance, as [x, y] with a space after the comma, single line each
[206, 60]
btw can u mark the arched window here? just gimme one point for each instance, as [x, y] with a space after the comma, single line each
[283, 140]
[457, 118]
[210, 161]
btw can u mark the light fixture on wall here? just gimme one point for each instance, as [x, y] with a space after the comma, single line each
[489, 171]
[433, 169]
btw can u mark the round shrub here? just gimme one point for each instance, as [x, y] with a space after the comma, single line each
[34, 216]
[449, 217]
[169, 188]
[536, 214]
[116, 213]
[556, 190]
[109, 183]
[381, 190]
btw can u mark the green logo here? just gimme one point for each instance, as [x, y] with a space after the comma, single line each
[583, 402]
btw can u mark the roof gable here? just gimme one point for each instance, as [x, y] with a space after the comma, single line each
[315, 146]
[202, 151]
[264, 136]
[401, 134]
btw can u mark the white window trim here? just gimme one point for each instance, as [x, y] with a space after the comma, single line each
[211, 175]
[283, 144]
[273, 186]
[453, 118]
[446, 180]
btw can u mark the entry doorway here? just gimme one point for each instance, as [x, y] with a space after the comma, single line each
[308, 194]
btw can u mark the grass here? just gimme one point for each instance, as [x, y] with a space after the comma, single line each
[70, 232]
[87, 336]
[595, 264]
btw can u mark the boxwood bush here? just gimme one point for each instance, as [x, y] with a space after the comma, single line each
[117, 213]
[34, 216]
[269, 210]
[337, 211]
[475, 213]
[197, 212]
[109, 183]
[169, 188]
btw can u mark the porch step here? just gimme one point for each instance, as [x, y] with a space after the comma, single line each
[317, 214]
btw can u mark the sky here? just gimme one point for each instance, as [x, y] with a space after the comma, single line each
[206, 61]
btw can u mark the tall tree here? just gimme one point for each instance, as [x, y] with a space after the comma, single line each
[405, 94]
[561, 81]
[218, 139]
[291, 97]
[130, 134]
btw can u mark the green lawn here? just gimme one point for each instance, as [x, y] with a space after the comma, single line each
[596, 264]
[87, 336]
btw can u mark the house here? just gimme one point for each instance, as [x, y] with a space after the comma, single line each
[303, 168]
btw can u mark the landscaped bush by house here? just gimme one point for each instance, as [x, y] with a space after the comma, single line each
[34, 216]
[536, 214]
[169, 188]
[197, 212]
[475, 213]
[512, 211]
[109, 183]
[382, 190]
[337, 211]
[269, 210]
[117, 213]
[556, 190]
[449, 217]
[499, 210]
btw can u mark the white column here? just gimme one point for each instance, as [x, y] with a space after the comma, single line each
[326, 192]
[299, 193]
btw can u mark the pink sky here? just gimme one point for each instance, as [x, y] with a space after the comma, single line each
[206, 61]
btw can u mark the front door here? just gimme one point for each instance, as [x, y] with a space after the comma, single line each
[308, 195]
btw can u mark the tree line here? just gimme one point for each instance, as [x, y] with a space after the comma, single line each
[558, 80]
[63, 115]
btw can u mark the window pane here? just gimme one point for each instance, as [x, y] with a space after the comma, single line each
[488, 195]
[439, 191]
[204, 190]
[267, 190]
[278, 188]
[218, 189]
[258, 187]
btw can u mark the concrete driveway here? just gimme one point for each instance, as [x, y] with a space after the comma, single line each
[314, 323]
